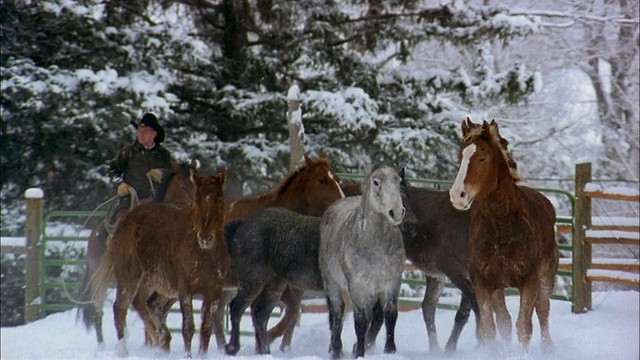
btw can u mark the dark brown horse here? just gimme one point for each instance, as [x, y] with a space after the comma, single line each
[175, 187]
[175, 251]
[308, 190]
[511, 238]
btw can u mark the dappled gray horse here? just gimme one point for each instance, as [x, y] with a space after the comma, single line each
[361, 252]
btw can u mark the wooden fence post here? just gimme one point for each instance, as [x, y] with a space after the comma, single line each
[296, 129]
[33, 231]
[581, 250]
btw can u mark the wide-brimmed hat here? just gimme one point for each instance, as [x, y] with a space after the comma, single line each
[151, 121]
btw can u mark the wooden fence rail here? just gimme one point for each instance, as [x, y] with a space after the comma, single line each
[589, 231]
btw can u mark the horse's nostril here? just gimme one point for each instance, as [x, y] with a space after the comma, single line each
[463, 194]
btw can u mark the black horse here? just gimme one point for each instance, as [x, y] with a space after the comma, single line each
[273, 248]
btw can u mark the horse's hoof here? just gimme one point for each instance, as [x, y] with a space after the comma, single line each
[266, 351]
[121, 349]
[390, 349]
[231, 349]
[357, 353]
[202, 354]
[285, 348]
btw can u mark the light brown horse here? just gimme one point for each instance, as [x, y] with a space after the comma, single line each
[308, 190]
[175, 187]
[175, 251]
[511, 238]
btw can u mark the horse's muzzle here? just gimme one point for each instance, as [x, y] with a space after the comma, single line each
[462, 202]
[206, 242]
[397, 215]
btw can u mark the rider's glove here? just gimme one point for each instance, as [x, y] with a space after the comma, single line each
[124, 189]
[155, 175]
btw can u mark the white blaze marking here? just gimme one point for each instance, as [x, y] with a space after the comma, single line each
[458, 184]
[338, 185]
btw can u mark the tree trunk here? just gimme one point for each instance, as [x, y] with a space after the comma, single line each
[617, 102]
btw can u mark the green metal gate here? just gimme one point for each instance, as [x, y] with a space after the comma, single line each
[64, 234]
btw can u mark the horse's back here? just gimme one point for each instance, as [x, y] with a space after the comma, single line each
[442, 232]
[154, 229]
[540, 204]
[280, 243]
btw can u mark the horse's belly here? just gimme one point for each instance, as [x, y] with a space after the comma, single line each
[500, 272]
[162, 285]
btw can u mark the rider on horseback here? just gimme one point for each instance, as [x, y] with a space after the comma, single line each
[139, 166]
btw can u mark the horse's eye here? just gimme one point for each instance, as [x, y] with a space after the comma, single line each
[483, 159]
[322, 181]
[376, 182]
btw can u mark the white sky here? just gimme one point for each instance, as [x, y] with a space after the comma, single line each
[610, 331]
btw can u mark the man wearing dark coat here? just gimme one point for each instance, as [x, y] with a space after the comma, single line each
[139, 165]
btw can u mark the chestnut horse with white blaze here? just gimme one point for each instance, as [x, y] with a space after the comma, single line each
[511, 238]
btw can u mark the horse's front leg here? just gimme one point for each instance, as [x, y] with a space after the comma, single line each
[188, 327]
[432, 293]
[362, 315]
[245, 295]
[218, 319]
[211, 301]
[503, 318]
[528, 298]
[390, 319]
[335, 303]
[376, 324]
[487, 324]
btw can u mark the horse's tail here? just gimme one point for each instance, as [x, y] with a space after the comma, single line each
[86, 308]
[101, 279]
[230, 230]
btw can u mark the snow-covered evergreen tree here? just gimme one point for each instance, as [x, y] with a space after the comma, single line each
[74, 73]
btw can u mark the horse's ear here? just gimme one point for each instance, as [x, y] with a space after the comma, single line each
[307, 159]
[465, 127]
[493, 130]
[195, 164]
[494, 125]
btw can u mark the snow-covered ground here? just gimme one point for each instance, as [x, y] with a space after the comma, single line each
[609, 331]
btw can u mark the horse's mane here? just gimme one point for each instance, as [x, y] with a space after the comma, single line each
[287, 181]
[490, 134]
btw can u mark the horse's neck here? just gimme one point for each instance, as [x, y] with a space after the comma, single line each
[292, 202]
[243, 208]
[505, 198]
[370, 219]
[176, 194]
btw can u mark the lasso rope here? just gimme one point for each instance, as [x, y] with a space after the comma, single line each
[109, 227]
